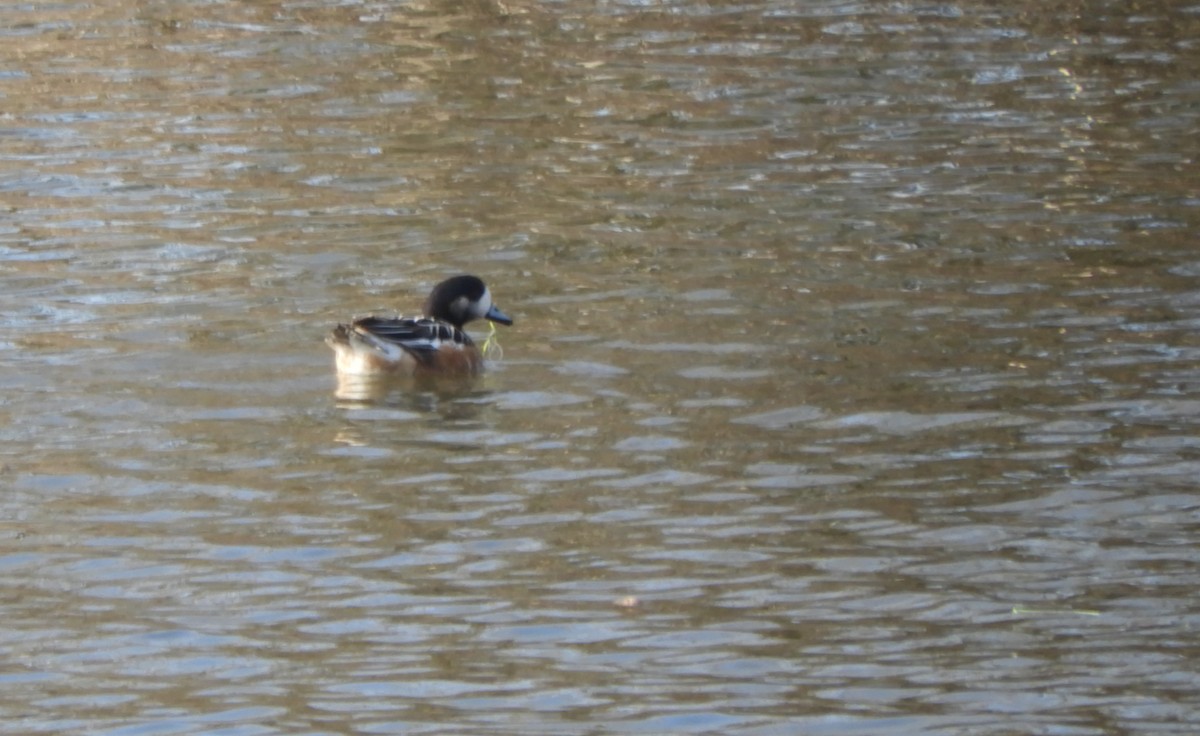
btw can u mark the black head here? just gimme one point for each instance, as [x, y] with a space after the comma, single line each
[461, 299]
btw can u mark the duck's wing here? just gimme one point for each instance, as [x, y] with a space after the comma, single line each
[420, 337]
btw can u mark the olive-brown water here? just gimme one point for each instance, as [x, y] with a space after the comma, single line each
[854, 386]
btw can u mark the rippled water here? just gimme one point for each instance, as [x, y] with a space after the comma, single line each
[854, 386]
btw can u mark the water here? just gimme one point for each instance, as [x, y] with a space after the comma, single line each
[853, 386]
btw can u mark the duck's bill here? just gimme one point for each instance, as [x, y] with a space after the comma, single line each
[495, 315]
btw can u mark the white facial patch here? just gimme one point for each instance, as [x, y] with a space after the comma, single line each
[483, 306]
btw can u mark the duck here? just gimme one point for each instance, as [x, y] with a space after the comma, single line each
[433, 344]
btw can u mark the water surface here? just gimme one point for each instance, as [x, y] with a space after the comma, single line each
[853, 387]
